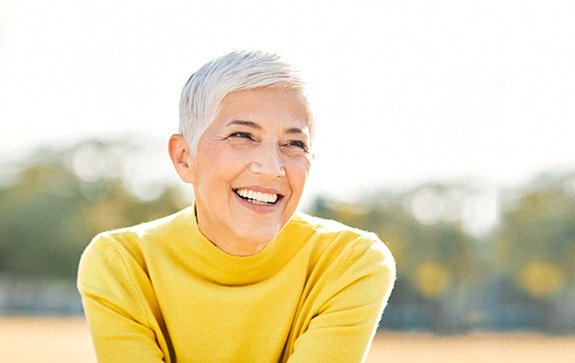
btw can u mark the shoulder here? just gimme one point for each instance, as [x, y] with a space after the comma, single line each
[339, 233]
[125, 247]
[129, 237]
[351, 246]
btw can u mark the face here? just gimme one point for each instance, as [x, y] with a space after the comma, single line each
[250, 168]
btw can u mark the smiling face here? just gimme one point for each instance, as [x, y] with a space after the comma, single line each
[250, 168]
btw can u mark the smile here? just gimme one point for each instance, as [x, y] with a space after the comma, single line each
[258, 198]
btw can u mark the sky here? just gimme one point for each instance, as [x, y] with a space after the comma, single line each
[403, 92]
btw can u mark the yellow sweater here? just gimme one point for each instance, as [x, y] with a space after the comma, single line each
[161, 291]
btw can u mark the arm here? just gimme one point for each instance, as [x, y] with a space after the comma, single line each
[114, 289]
[344, 325]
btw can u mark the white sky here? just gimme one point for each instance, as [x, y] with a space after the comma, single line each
[403, 91]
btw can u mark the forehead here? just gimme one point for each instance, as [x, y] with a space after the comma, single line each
[266, 106]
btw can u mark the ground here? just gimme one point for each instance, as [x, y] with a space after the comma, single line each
[27, 340]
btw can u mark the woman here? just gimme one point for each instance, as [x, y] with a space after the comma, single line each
[239, 276]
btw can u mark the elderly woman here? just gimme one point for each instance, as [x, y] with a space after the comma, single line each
[240, 276]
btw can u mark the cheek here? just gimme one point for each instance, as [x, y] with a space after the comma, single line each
[223, 167]
[298, 172]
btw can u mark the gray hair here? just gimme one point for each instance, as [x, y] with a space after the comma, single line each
[204, 91]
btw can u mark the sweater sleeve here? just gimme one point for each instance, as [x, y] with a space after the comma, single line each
[112, 286]
[351, 305]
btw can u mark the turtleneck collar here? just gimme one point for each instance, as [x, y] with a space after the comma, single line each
[218, 266]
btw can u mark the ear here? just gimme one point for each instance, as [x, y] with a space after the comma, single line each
[181, 156]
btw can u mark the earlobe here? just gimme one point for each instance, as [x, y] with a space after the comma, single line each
[181, 157]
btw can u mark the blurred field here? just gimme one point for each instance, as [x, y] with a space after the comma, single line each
[67, 340]
[475, 348]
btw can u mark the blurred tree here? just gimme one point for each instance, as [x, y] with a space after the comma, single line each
[50, 210]
[434, 258]
[536, 242]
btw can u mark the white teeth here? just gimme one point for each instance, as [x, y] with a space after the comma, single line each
[257, 196]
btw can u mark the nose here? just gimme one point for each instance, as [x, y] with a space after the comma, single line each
[268, 161]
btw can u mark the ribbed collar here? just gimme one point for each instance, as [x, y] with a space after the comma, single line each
[215, 265]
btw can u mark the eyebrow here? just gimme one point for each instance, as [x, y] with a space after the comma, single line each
[245, 123]
[292, 130]
[295, 130]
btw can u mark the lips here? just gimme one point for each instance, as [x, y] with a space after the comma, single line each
[258, 197]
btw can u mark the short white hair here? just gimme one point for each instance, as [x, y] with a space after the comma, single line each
[203, 93]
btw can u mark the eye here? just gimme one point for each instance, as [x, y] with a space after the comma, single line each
[242, 135]
[297, 144]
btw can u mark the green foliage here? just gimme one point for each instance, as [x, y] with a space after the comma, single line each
[415, 245]
[48, 214]
[538, 229]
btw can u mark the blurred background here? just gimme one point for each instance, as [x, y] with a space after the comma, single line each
[443, 126]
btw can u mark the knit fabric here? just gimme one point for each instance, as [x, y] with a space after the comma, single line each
[161, 292]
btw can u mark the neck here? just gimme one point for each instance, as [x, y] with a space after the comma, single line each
[231, 246]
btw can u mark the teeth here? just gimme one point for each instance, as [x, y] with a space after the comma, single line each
[257, 196]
